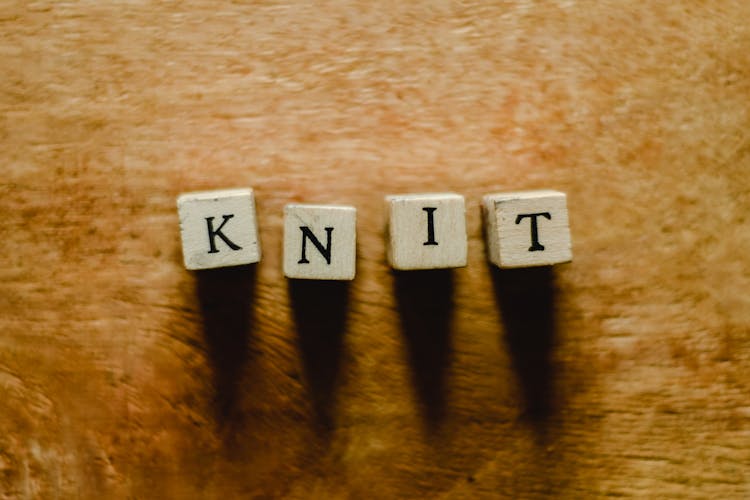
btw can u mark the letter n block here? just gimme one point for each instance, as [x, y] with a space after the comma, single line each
[320, 242]
[218, 228]
[426, 231]
[527, 228]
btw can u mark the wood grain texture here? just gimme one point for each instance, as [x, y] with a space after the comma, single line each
[624, 373]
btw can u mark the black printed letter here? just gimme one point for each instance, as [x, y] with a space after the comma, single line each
[535, 245]
[213, 233]
[430, 226]
[325, 252]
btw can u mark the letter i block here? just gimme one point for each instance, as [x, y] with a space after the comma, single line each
[320, 242]
[426, 231]
[527, 228]
[218, 228]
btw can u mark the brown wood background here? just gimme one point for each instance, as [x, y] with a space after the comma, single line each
[624, 373]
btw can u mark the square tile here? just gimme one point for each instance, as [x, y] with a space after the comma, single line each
[218, 228]
[320, 242]
[527, 228]
[426, 231]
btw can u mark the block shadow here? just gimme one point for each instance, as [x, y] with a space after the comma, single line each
[425, 304]
[226, 296]
[319, 309]
[526, 298]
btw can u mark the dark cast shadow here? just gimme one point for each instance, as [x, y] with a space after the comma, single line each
[526, 298]
[319, 308]
[425, 305]
[226, 297]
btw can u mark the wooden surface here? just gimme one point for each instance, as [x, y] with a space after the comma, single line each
[624, 373]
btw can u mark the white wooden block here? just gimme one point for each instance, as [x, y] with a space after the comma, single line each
[426, 231]
[218, 228]
[527, 228]
[320, 242]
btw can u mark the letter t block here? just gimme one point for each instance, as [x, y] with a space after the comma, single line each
[218, 228]
[320, 242]
[527, 228]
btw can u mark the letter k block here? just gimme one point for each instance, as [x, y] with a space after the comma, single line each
[527, 228]
[218, 228]
[320, 242]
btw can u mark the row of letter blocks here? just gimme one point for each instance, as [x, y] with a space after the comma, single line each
[425, 231]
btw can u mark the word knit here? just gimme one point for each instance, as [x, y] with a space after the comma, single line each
[425, 231]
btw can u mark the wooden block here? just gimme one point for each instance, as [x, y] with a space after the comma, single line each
[527, 228]
[320, 242]
[218, 228]
[426, 231]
